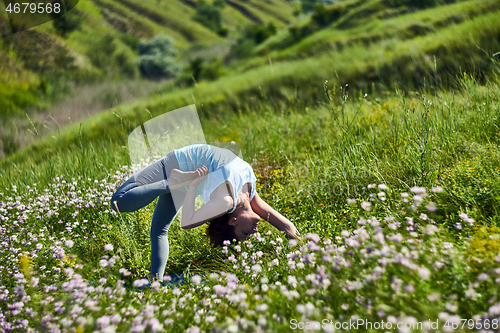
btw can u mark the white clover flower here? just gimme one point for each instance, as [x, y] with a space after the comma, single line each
[257, 268]
[418, 189]
[424, 273]
[155, 285]
[196, 279]
[108, 247]
[437, 189]
[261, 307]
[366, 205]
[482, 277]
[351, 201]
[313, 237]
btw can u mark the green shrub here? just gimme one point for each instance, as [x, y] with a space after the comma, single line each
[323, 16]
[156, 66]
[260, 33]
[210, 16]
[156, 58]
[423, 3]
[242, 49]
[158, 45]
[67, 23]
[297, 33]
[212, 70]
[9, 143]
[195, 67]
[198, 70]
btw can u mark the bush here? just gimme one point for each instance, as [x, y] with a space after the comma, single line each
[199, 70]
[422, 3]
[213, 70]
[157, 66]
[156, 58]
[308, 6]
[9, 143]
[297, 33]
[242, 49]
[260, 33]
[323, 16]
[210, 16]
[158, 45]
[67, 23]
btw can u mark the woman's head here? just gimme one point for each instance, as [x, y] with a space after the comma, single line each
[239, 225]
[220, 230]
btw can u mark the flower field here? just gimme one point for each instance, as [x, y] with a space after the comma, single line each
[373, 126]
[396, 269]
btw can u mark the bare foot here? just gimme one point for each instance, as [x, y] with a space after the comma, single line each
[178, 178]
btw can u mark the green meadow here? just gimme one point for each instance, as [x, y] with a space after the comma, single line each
[376, 134]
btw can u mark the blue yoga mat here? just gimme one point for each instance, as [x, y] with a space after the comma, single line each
[176, 280]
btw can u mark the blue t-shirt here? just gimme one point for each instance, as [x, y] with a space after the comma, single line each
[223, 165]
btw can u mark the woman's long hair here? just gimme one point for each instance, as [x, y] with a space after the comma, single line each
[219, 230]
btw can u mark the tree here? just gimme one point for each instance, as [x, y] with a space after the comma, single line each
[260, 33]
[210, 16]
[156, 58]
[67, 23]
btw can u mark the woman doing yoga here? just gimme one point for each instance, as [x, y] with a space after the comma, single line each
[228, 188]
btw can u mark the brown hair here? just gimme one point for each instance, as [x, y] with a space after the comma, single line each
[219, 230]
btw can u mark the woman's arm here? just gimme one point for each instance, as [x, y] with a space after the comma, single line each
[214, 208]
[266, 212]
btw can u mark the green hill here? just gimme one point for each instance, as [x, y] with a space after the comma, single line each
[36, 60]
[383, 45]
[372, 125]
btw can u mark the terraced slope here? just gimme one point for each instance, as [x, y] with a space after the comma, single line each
[123, 23]
[370, 24]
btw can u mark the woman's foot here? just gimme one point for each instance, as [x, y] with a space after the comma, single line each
[178, 178]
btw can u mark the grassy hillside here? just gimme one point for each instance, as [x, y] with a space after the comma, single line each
[42, 71]
[376, 134]
[377, 150]
[53, 57]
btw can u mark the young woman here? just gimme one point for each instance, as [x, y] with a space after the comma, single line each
[226, 184]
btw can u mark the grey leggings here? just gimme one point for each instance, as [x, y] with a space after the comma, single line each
[140, 190]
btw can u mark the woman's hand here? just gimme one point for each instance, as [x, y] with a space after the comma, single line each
[200, 176]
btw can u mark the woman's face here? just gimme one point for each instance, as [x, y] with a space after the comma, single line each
[246, 221]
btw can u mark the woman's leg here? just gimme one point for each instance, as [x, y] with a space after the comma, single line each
[164, 214]
[145, 185]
